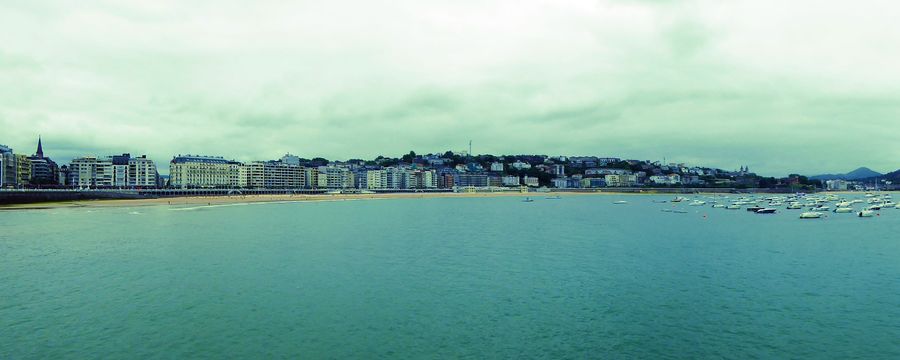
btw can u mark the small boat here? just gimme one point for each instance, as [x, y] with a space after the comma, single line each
[866, 213]
[733, 207]
[811, 215]
[620, 202]
[528, 200]
[718, 206]
[755, 208]
[557, 197]
[794, 206]
[679, 199]
[874, 207]
[843, 210]
[766, 211]
[897, 207]
[697, 203]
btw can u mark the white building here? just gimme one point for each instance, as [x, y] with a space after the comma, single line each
[497, 166]
[195, 171]
[671, 179]
[620, 180]
[531, 181]
[520, 165]
[510, 180]
[91, 171]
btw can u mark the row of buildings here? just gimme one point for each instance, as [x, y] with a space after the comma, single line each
[20, 170]
[432, 171]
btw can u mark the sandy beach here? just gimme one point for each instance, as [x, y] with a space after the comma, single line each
[237, 199]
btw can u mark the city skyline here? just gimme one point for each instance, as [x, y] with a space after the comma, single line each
[700, 82]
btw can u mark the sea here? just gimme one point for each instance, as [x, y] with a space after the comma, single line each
[579, 277]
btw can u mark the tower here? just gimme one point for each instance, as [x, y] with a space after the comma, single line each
[40, 149]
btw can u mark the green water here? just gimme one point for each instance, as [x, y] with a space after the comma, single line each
[447, 278]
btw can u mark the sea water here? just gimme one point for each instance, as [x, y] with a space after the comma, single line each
[577, 277]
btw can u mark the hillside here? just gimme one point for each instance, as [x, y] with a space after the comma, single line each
[861, 173]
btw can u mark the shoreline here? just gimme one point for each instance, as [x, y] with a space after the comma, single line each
[282, 198]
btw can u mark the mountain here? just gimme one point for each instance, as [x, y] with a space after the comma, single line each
[861, 173]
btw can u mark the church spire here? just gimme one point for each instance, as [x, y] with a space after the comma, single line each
[40, 149]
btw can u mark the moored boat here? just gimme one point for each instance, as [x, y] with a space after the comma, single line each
[766, 211]
[866, 213]
[811, 215]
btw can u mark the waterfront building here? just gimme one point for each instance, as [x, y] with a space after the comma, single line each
[510, 180]
[43, 170]
[8, 167]
[281, 175]
[195, 171]
[837, 185]
[593, 183]
[23, 170]
[142, 172]
[531, 181]
[467, 179]
[497, 166]
[606, 171]
[91, 172]
[252, 175]
[311, 177]
[376, 179]
[561, 182]
[670, 179]
[620, 180]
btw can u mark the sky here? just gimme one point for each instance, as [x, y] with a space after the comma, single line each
[780, 86]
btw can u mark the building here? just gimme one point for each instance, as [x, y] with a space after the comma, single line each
[590, 183]
[376, 179]
[467, 179]
[558, 170]
[620, 180]
[670, 179]
[837, 185]
[196, 171]
[311, 177]
[278, 174]
[510, 180]
[252, 175]
[91, 172]
[23, 170]
[43, 170]
[497, 167]
[561, 182]
[531, 181]
[8, 167]
[335, 177]
[142, 172]
[519, 165]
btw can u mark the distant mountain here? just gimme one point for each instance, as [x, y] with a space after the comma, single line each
[861, 173]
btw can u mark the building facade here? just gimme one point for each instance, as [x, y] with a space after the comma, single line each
[195, 171]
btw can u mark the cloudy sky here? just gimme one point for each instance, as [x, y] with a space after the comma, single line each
[808, 86]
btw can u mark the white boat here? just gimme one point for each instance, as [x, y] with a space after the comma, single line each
[766, 211]
[620, 202]
[897, 207]
[697, 203]
[733, 207]
[866, 213]
[679, 199]
[811, 215]
[843, 210]
[794, 206]
[718, 206]
[874, 207]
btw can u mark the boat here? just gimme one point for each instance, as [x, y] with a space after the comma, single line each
[557, 197]
[755, 208]
[794, 206]
[528, 200]
[718, 206]
[843, 210]
[766, 211]
[697, 203]
[897, 207]
[811, 215]
[866, 213]
[620, 202]
[679, 199]
[874, 207]
[733, 207]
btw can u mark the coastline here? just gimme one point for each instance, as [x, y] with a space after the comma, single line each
[241, 199]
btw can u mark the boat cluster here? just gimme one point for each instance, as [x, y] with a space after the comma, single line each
[811, 206]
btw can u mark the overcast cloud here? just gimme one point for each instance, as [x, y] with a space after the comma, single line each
[808, 86]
